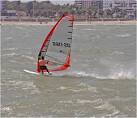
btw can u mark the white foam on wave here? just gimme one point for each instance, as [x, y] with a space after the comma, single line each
[13, 61]
[123, 35]
[62, 88]
[28, 57]
[123, 99]
[114, 75]
[106, 106]
[26, 85]
[98, 104]
[122, 75]
[88, 87]
[85, 74]
[6, 109]
[10, 54]
[10, 49]
[21, 28]
[8, 38]
[82, 101]
[66, 102]
[85, 88]
[117, 53]
[88, 29]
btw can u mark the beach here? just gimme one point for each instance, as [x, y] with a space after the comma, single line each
[133, 22]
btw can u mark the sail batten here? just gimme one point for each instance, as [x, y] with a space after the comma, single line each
[56, 47]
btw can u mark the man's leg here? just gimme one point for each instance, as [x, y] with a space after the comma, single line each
[47, 69]
[42, 72]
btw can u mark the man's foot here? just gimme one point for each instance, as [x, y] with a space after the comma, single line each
[50, 73]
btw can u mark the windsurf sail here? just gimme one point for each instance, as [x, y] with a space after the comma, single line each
[56, 47]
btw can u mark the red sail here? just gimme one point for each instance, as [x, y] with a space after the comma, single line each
[56, 47]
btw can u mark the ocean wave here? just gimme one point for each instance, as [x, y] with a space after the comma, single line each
[82, 101]
[15, 49]
[122, 75]
[82, 74]
[123, 35]
[88, 29]
[10, 54]
[10, 49]
[28, 57]
[13, 61]
[114, 75]
[123, 99]
[106, 106]
[26, 85]
[21, 28]
[76, 90]
[9, 38]
[6, 109]
[117, 53]
[85, 74]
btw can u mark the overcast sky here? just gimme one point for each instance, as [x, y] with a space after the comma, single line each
[53, 1]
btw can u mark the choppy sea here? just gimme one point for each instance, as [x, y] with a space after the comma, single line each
[100, 83]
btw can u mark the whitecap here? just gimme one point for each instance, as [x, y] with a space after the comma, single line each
[113, 114]
[79, 101]
[10, 54]
[62, 88]
[117, 53]
[87, 87]
[28, 57]
[10, 49]
[21, 28]
[122, 75]
[8, 38]
[15, 71]
[105, 106]
[88, 29]
[6, 109]
[109, 107]
[85, 74]
[13, 61]
[68, 101]
[123, 35]
[25, 85]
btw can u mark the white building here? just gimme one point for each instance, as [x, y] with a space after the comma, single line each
[89, 3]
[128, 5]
[121, 4]
[107, 4]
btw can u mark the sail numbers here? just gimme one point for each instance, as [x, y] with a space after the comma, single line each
[61, 44]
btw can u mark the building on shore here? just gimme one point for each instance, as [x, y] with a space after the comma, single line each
[85, 4]
[84, 10]
[9, 13]
[124, 4]
[13, 13]
[129, 6]
[107, 4]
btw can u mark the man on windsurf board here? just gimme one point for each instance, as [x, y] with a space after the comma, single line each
[42, 65]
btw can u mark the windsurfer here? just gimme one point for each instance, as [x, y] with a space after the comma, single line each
[42, 65]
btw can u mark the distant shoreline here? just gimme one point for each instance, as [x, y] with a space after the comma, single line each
[134, 22]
